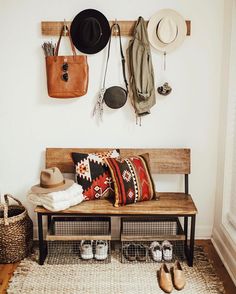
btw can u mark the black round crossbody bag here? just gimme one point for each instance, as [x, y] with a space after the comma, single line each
[115, 97]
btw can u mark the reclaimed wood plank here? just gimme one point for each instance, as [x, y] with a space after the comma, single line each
[151, 237]
[77, 237]
[163, 160]
[168, 204]
[53, 28]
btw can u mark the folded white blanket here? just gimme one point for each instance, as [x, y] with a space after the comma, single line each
[67, 194]
[56, 201]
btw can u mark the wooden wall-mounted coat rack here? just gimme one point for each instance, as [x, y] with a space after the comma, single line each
[52, 28]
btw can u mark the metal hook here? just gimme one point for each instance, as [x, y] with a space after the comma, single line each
[164, 61]
[116, 31]
[64, 28]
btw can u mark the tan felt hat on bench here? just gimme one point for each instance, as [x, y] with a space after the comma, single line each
[51, 180]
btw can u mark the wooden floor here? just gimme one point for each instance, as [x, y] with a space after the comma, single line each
[7, 270]
[230, 288]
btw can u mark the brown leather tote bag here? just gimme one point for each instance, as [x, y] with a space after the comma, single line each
[67, 76]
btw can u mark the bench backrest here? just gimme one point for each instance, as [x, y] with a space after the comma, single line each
[163, 160]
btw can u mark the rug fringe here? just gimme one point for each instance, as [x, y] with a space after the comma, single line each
[22, 270]
[208, 271]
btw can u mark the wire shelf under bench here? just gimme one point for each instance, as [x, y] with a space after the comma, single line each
[148, 229]
[141, 233]
[79, 228]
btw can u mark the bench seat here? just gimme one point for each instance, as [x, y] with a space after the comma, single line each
[168, 204]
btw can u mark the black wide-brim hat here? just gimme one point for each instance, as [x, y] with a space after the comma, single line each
[90, 31]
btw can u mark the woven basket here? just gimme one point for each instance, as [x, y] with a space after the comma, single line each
[16, 231]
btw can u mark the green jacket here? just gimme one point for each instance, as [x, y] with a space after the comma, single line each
[141, 81]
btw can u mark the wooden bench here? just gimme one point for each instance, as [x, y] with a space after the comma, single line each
[171, 204]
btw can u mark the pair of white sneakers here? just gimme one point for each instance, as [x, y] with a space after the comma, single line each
[161, 251]
[101, 249]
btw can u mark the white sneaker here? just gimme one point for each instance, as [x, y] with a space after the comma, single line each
[86, 249]
[101, 250]
[167, 250]
[156, 251]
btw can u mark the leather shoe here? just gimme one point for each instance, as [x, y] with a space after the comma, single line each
[165, 281]
[141, 252]
[130, 252]
[178, 276]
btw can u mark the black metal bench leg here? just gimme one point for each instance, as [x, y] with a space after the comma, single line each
[49, 221]
[186, 236]
[42, 253]
[192, 237]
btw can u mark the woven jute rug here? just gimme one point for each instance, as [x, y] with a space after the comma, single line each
[114, 277]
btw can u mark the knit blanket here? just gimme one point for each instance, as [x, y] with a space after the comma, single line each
[61, 200]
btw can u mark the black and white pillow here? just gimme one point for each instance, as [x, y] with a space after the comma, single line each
[93, 174]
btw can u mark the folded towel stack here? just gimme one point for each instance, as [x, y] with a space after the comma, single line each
[56, 201]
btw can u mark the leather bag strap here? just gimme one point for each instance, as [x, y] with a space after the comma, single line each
[122, 57]
[63, 29]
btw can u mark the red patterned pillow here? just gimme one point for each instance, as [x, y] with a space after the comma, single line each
[93, 174]
[132, 179]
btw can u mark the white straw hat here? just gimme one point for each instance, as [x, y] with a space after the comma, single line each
[166, 30]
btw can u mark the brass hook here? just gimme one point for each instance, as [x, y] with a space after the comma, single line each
[64, 28]
[116, 31]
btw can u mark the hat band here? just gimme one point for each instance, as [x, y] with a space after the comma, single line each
[52, 185]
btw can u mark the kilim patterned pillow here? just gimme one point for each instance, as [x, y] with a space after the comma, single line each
[93, 174]
[132, 179]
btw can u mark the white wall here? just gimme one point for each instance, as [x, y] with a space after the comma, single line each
[30, 121]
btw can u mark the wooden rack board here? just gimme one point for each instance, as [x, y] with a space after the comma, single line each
[77, 237]
[52, 28]
[152, 237]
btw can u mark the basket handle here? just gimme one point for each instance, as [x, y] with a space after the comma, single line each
[4, 207]
[7, 196]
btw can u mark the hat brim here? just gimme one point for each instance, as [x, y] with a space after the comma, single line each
[75, 31]
[39, 190]
[152, 26]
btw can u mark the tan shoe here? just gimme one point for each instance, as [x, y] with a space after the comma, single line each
[165, 281]
[178, 276]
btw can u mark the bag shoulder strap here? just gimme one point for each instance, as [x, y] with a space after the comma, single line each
[122, 57]
[63, 29]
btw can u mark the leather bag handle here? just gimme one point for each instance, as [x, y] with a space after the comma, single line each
[122, 57]
[65, 28]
